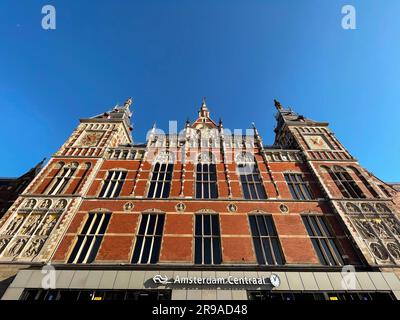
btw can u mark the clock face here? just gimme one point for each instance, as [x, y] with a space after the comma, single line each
[91, 138]
[275, 281]
[317, 142]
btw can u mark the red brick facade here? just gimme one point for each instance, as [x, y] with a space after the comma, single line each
[292, 152]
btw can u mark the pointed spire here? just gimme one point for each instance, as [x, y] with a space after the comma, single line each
[187, 123]
[128, 102]
[278, 105]
[203, 112]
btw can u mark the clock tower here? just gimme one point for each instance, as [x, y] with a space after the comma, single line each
[363, 202]
[94, 135]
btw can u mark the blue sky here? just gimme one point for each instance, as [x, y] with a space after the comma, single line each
[168, 54]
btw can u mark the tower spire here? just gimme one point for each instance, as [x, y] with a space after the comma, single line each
[278, 105]
[203, 112]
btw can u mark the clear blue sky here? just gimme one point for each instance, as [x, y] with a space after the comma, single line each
[168, 54]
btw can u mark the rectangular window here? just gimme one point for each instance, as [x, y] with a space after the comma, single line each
[148, 239]
[265, 239]
[113, 184]
[160, 183]
[207, 240]
[322, 240]
[299, 189]
[206, 181]
[90, 238]
[250, 179]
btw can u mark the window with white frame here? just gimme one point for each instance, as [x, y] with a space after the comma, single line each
[60, 181]
[207, 239]
[206, 177]
[160, 183]
[113, 184]
[299, 189]
[148, 239]
[322, 240]
[250, 178]
[345, 183]
[89, 239]
[265, 239]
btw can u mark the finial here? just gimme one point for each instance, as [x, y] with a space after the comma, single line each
[128, 102]
[203, 102]
[277, 104]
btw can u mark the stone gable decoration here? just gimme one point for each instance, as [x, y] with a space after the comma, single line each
[22, 238]
[378, 227]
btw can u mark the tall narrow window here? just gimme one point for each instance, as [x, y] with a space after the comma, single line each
[148, 239]
[62, 178]
[322, 240]
[250, 179]
[161, 178]
[113, 184]
[83, 177]
[90, 238]
[299, 189]
[207, 240]
[384, 190]
[265, 239]
[365, 182]
[347, 186]
[206, 178]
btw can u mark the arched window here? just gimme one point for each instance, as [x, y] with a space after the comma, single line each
[113, 184]
[206, 177]
[250, 178]
[347, 186]
[365, 182]
[60, 181]
[160, 183]
[86, 168]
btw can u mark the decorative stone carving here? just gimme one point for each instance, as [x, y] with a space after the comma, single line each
[30, 203]
[14, 224]
[60, 204]
[232, 207]
[45, 204]
[205, 157]
[16, 248]
[382, 208]
[283, 208]
[48, 225]
[180, 207]
[367, 208]
[165, 157]
[393, 225]
[30, 224]
[34, 247]
[379, 251]
[128, 206]
[394, 250]
[244, 157]
[380, 229]
[364, 228]
[3, 243]
[352, 208]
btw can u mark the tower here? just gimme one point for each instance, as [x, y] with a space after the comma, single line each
[364, 203]
[34, 225]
